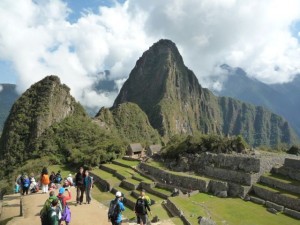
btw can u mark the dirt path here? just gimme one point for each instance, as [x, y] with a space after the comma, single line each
[92, 214]
[84, 214]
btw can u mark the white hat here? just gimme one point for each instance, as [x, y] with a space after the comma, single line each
[70, 175]
[32, 179]
[118, 194]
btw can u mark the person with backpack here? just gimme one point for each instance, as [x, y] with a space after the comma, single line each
[88, 183]
[52, 215]
[116, 207]
[46, 208]
[65, 210]
[45, 180]
[58, 177]
[25, 184]
[79, 182]
[140, 209]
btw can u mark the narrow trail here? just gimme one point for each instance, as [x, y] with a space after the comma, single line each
[92, 214]
[85, 214]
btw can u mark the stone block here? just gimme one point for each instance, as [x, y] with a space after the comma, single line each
[279, 208]
[292, 163]
[272, 210]
[257, 200]
[292, 213]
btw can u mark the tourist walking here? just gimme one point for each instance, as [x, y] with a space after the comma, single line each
[52, 214]
[79, 182]
[141, 207]
[46, 208]
[45, 180]
[88, 183]
[115, 209]
[65, 210]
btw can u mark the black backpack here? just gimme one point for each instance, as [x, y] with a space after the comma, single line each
[140, 206]
[114, 210]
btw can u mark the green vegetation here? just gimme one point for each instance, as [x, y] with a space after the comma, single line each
[232, 210]
[175, 103]
[130, 122]
[283, 179]
[179, 145]
[294, 150]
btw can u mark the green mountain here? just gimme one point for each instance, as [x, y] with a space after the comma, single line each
[8, 96]
[175, 103]
[283, 99]
[46, 121]
[128, 121]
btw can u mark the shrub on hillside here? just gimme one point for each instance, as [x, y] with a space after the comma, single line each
[178, 145]
[294, 150]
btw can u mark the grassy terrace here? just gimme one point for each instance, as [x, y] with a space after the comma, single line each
[106, 176]
[128, 162]
[161, 166]
[162, 190]
[230, 211]
[282, 179]
[128, 172]
[279, 191]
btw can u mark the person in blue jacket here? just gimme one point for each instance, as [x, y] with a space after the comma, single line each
[115, 209]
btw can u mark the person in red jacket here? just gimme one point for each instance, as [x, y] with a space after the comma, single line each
[65, 210]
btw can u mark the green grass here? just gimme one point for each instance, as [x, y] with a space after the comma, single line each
[232, 210]
[106, 176]
[133, 181]
[279, 191]
[162, 190]
[124, 171]
[128, 162]
[65, 170]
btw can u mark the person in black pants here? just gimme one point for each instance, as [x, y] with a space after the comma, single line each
[79, 182]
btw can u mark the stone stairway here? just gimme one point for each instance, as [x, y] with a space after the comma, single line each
[280, 189]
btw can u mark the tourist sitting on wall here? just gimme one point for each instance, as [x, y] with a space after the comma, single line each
[34, 187]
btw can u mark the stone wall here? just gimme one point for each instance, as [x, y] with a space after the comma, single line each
[279, 184]
[172, 208]
[237, 162]
[154, 192]
[292, 163]
[229, 175]
[168, 177]
[129, 185]
[289, 202]
[104, 185]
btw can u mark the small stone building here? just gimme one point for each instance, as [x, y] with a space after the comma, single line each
[135, 150]
[153, 149]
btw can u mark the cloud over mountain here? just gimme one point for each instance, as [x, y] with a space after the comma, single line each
[38, 38]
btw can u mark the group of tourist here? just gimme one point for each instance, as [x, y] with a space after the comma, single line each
[56, 210]
[142, 207]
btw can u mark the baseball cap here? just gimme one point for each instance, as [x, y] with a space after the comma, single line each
[118, 194]
[61, 190]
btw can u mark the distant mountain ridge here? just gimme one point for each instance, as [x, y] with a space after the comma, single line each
[175, 103]
[283, 99]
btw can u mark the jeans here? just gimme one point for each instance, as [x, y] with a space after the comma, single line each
[80, 194]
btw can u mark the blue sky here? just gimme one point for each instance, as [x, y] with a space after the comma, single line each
[79, 39]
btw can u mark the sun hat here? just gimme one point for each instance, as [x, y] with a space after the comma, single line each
[61, 190]
[118, 194]
[70, 175]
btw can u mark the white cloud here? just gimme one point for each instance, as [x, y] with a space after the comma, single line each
[255, 35]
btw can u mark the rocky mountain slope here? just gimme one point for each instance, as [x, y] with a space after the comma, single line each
[175, 103]
[283, 99]
[128, 121]
[46, 123]
[8, 96]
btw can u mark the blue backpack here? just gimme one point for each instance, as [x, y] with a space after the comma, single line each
[26, 182]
